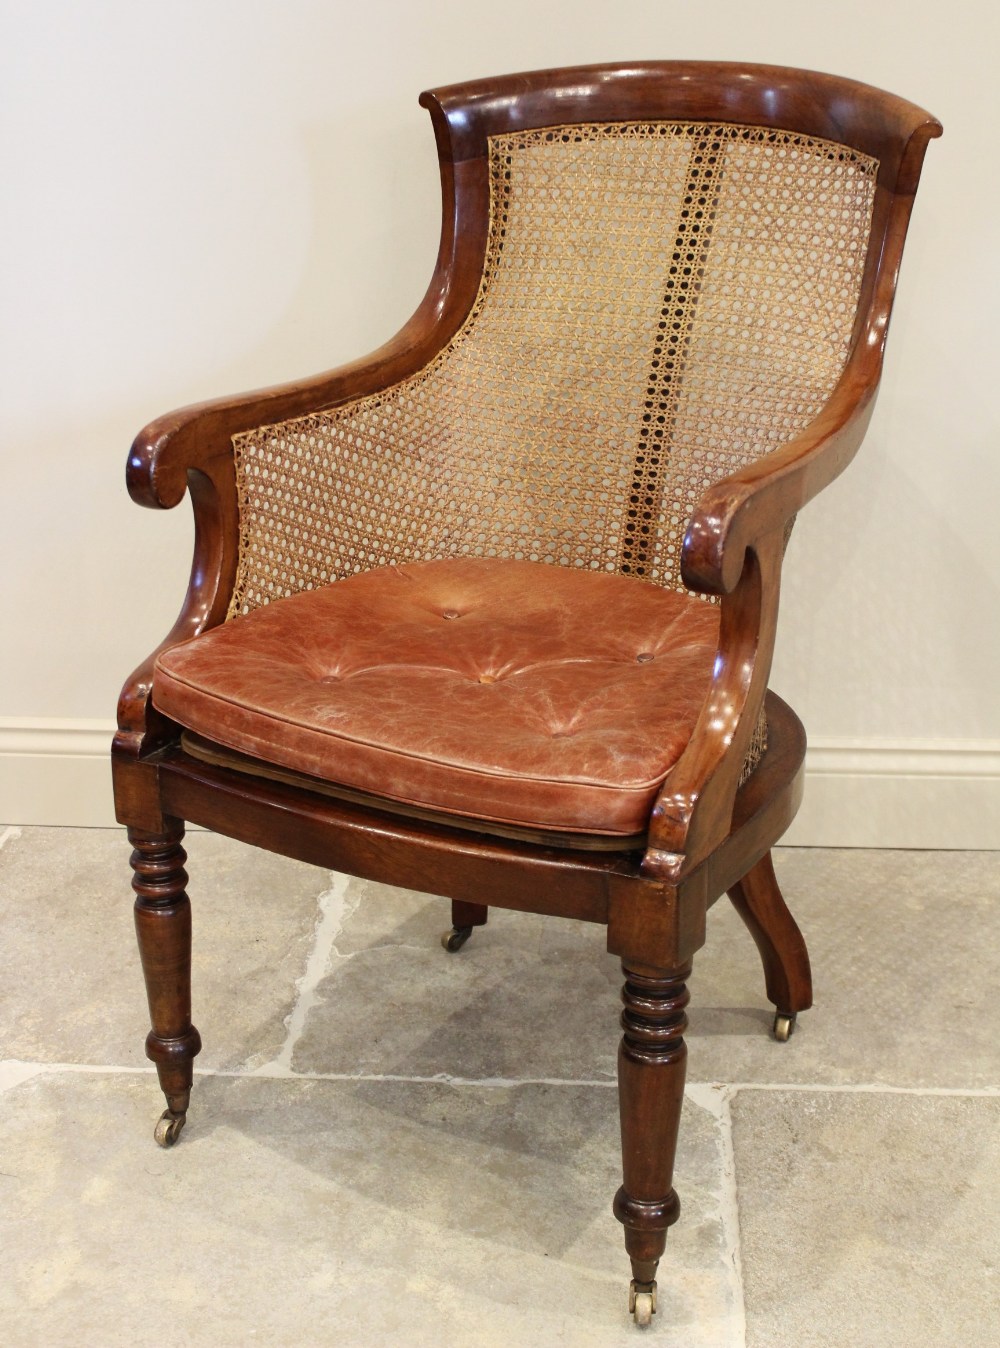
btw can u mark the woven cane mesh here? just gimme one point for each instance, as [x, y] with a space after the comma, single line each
[660, 305]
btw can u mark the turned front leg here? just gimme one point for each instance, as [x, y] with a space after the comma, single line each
[651, 1062]
[163, 929]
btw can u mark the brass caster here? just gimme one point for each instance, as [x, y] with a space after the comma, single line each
[455, 938]
[168, 1128]
[784, 1024]
[642, 1302]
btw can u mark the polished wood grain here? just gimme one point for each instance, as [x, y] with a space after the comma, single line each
[651, 1066]
[707, 834]
[759, 902]
[163, 929]
[809, 101]
[468, 914]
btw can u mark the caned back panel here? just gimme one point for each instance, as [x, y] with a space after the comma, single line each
[660, 305]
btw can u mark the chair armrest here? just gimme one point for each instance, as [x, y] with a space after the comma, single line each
[192, 450]
[190, 438]
[764, 496]
[169, 447]
[693, 811]
[734, 548]
[213, 569]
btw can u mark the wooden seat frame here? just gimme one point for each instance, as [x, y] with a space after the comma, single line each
[707, 833]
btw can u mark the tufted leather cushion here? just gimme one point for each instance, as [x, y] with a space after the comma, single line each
[514, 692]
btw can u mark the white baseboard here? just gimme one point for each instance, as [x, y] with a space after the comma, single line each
[936, 794]
[56, 772]
[859, 793]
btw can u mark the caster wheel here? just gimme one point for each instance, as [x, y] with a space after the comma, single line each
[168, 1128]
[784, 1024]
[642, 1302]
[455, 938]
[643, 1308]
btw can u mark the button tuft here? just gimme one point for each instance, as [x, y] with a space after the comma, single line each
[644, 657]
[449, 613]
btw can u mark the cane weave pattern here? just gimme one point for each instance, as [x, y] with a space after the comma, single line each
[660, 305]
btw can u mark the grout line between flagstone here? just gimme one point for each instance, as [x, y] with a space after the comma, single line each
[865, 1088]
[334, 909]
[714, 1099]
[13, 1073]
[14, 1069]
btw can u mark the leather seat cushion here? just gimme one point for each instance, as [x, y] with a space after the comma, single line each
[514, 692]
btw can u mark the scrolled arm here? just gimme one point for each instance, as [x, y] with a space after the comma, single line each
[166, 450]
[192, 450]
[693, 810]
[733, 548]
[213, 569]
[189, 439]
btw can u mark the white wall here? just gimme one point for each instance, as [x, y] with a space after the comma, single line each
[205, 196]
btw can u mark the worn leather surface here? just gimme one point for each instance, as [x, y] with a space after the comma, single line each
[513, 692]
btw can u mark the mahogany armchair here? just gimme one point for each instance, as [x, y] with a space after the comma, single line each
[489, 614]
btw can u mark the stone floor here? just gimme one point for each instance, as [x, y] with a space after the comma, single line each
[394, 1146]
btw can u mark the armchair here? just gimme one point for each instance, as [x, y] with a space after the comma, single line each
[490, 613]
